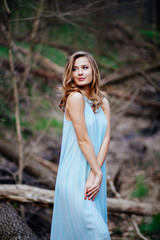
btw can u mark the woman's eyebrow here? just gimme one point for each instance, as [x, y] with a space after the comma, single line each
[85, 65]
[82, 65]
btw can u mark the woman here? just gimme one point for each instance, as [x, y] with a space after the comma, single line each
[80, 211]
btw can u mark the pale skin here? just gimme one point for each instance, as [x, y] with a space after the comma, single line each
[82, 76]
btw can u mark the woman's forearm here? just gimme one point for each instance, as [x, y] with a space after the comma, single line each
[102, 154]
[101, 157]
[89, 153]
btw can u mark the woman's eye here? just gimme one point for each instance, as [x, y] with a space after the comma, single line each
[73, 69]
[85, 67]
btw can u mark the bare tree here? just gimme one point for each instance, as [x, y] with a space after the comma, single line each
[16, 99]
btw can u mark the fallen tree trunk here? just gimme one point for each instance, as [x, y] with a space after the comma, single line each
[42, 169]
[29, 194]
[12, 226]
[117, 77]
[43, 61]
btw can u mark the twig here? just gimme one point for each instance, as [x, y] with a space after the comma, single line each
[113, 187]
[137, 229]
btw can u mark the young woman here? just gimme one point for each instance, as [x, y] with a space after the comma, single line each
[80, 210]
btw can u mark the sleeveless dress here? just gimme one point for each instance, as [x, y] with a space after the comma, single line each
[75, 218]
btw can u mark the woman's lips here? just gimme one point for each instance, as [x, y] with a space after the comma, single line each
[81, 79]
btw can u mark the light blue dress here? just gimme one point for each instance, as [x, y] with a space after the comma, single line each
[75, 218]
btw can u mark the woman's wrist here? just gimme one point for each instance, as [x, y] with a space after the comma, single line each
[99, 174]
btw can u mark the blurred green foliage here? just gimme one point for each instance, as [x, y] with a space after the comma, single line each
[24, 123]
[55, 55]
[73, 35]
[152, 227]
[42, 123]
[141, 189]
[46, 105]
[45, 88]
[5, 114]
[110, 61]
[116, 231]
[150, 34]
[3, 52]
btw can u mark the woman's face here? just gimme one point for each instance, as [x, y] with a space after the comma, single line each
[82, 72]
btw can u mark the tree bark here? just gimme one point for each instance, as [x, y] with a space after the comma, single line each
[12, 226]
[29, 194]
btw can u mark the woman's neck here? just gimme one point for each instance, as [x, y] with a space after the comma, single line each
[86, 92]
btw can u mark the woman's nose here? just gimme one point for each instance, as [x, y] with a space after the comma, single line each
[80, 71]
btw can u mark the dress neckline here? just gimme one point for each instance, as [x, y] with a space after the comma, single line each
[88, 100]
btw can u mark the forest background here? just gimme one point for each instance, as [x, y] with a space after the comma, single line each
[36, 38]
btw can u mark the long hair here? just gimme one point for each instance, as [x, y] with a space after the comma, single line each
[69, 86]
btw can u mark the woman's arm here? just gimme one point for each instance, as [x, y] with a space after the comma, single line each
[106, 141]
[75, 107]
[103, 150]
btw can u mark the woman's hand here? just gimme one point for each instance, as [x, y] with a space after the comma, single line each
[92, 191]
[89, 182]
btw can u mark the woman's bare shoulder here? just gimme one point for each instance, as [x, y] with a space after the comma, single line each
[75, 98]
[105, 104]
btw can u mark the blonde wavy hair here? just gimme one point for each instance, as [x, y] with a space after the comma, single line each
[69, 86]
